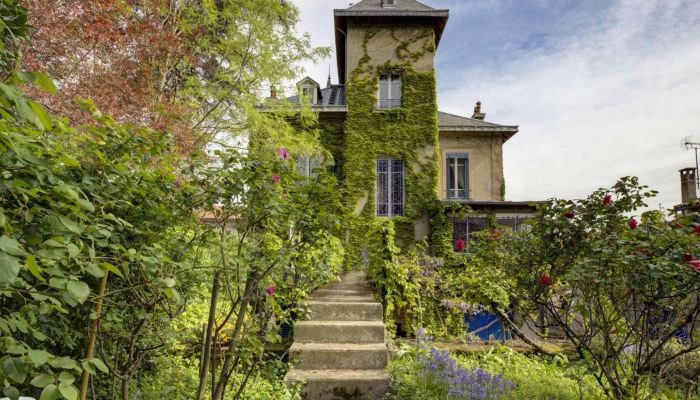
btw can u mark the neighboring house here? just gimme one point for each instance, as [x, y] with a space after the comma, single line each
[690, 205]
[397, 155]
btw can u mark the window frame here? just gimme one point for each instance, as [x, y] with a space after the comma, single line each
[312, 91]
[391, 103]
[456, 155]
[390, 187]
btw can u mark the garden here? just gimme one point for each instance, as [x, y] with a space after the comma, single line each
[145, 255]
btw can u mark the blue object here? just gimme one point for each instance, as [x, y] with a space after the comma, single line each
[486, 326]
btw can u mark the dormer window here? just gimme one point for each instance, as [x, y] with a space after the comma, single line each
[309, 92]
[388, 3]
[389, 91]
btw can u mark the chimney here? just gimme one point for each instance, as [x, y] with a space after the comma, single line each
[688, 182]
[273, 92]
[477, 111]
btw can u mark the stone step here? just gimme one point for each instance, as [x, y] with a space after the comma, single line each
[339, 355]
[349, 299]
[344, 311]
[342, 292]
[340, 384]
[339, 332]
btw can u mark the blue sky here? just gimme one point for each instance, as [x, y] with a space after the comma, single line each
[600, 89]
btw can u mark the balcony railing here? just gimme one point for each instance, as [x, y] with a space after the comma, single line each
[389, 103]
[458, 194]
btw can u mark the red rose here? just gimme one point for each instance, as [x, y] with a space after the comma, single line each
[678, 226]
[570, 214]
[270, 290]
[460, 245]
[633, 223]
[696, 230]
[545, 280]
[276, 178]
[688, 257]
[607, 200]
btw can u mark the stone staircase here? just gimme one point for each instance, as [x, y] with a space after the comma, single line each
[341, 351]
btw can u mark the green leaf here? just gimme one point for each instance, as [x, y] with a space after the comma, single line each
[41, 114]
[78, 290]
[11, 246]
[69, 392]
[11, 392]
[99, 365]
[66, 378]
[11, 92]
[44, 82]
[43, 380]
[63, 363]
[9, 268]
[88, 367]
[2, 218]
[39, 357]
[111, 268]
[70, 225]
[34, 268]
[50, 392]
[15, 369]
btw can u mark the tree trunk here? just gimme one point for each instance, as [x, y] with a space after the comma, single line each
[125, 388]
[206, 356]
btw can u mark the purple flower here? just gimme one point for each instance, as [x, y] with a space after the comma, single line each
[276, 178]
[270, 290]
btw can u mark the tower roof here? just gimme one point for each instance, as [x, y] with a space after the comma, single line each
[377, 12]
[412, 5]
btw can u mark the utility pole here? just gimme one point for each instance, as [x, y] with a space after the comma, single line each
[693, 146]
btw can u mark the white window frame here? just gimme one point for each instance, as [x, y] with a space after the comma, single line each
[307, 164]
[312, 91]
[390, 102]
[454, 193]
[390, 179]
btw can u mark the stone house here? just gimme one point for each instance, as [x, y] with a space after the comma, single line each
[399, 157]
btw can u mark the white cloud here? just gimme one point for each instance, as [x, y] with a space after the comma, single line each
[614, 100]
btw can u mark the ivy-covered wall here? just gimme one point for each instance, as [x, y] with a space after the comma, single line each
[409, 133]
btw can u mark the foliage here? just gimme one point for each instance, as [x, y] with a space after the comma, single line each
[619, 290]
[191, 68]
[408, 133]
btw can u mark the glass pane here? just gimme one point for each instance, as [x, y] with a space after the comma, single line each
[450, 178]
[397, 176]
[396, 87]
[382, 187]
[384, 87]
[461, 175]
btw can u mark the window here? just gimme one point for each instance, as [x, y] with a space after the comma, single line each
[457, 176]
[466, 228]
[389, 3]
[389, 91]
[390, 187]
[306, 165]
[309, 92]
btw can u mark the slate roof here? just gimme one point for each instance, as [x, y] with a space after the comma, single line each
[455, 123]
[410, 5]
[330, 96]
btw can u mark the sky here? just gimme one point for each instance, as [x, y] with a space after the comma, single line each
[599, 89]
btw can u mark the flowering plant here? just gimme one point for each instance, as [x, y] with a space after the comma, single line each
[624, 288]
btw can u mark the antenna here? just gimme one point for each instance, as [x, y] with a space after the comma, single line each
[688, 144]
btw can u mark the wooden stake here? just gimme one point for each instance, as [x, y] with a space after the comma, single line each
[93, 334]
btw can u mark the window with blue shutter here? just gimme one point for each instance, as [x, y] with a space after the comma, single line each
[390, 187]
[457, 178]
